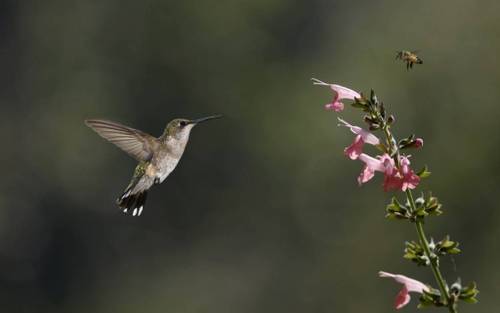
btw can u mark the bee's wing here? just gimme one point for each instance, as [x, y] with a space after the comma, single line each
[136, 143]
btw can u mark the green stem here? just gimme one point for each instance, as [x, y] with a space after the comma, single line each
[394, 149]
[434, 266]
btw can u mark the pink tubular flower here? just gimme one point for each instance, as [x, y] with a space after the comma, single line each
[363, 136]
[355, 149]
[340, 92]
[371, 166]
[394, 179]
[409, 285]
[409, 180]
[366, 175]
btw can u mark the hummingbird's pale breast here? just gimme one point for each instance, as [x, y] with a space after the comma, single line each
[169, 155]
[165, 166]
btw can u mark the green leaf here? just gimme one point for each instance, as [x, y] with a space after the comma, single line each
[431, 297]
[469, 293]
[447, 246]
[433, 206]
[422, 212]
[358, 104]
[471, 300]
[454, 251]
[424, 173]
[396, 210]
[415, 253]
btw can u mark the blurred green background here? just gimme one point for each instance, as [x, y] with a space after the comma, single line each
[263, 213]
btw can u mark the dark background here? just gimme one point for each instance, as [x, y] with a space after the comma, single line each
[263, 213]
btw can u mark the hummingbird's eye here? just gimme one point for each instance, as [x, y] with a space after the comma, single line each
[183, 123]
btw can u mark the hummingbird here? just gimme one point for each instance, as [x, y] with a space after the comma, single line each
[157, 157]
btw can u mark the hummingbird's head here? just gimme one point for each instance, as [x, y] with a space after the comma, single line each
[181, 127]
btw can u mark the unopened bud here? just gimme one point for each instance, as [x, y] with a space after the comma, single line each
[418, 143]
[391, 119]
[382, 109]
[369, 120]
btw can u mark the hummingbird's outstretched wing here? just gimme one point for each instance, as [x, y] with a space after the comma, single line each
[136, 143]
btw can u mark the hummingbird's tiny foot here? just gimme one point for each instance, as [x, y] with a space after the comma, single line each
[157, 181]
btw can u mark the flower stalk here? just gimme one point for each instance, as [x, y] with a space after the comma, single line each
[394, 149]
[398, 176]
[433, 264]
[421, 233]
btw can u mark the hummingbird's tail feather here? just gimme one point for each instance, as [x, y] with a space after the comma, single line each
[134, 197]
[132, 203]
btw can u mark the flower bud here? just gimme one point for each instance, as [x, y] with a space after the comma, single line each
[391, 119]
[418, 143]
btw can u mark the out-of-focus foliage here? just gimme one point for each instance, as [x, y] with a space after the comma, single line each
[263, 213]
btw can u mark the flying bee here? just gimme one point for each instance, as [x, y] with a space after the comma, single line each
[410, 57]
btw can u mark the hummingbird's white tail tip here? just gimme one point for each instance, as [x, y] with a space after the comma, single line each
[132, 203]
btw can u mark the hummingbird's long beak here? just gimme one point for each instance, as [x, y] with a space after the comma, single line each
[204, 119]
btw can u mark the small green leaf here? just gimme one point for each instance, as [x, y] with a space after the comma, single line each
[433, 206]
[396, 210]
[359, 105]
[447, 246]
[454, 251]
[431, 297]
[422, 212]
[424, 173]
[469, 293]
[471, 300]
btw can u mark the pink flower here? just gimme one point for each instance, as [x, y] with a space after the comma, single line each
[371, 166]
[409, 285]
[394, 179]
[363, 136]
[409, 180]
[393, 182]
[366, 175]
[340, 92]
[355, 149]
